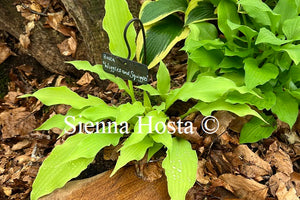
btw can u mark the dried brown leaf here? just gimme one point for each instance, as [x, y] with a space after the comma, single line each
[201, 177]
[244, 188]
[295, 178]
[279, 159]
[224, 119]
[275, 181]
[35, 7]
[152, 171]
[29, 26]
[24, 40]
[111, 152]
[17, 121]
[85, 79]
[21, 145]
[68, 47]
[5, 52]
[283, 194]
[54, 19]
[7, 191]
[249, 163]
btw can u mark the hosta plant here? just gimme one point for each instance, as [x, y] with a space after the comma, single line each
[66, 161]
[255, 46]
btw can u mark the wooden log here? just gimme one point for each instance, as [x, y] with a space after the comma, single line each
[123, 185]
[43, 46]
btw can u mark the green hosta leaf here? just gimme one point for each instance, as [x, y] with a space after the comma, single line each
[133, 152]
[198, 11]
[100, 112]
[295, 73]
[151, 122]
[296, 94]
[148, 88]
[147, 102]
[153, 150]
[293, 51]
[71, 122]
[126, 111]
[227, 10]
[160, 39]
[255, 76]
[287, 9]
[98, 69]
[55, 121]
[239, 109]
[191, 45]
[205, 88]
[291, 28]
[283, 60]
[202, 31]
[163, 79]
[154, 11]
[59, 95]
[247, 31]
[161, 107]
[66, 161]
[192, 69]
[267, 101]
[117, 15]
[164, 138]
[261, 13]
[231, 62]
[240, 52]
[207, 58]
[256, 129]
[180, 167]
[266, 36]
[286, 108]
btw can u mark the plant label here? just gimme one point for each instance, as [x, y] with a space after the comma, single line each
[124, 68]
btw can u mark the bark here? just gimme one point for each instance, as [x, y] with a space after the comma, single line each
[87, 14]
[44, 42]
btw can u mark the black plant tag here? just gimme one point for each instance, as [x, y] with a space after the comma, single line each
[125, 68]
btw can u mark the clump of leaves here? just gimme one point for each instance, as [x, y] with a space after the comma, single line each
[66, 161]
[167, 22]
[259, 48]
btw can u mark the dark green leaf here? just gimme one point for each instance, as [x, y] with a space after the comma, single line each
[157, 10]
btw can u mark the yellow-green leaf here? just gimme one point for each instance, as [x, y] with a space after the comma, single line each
[117, 15]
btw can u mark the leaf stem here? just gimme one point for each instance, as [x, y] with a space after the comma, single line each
[131, 94]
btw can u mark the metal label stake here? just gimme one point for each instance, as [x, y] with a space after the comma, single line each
[126, 68]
